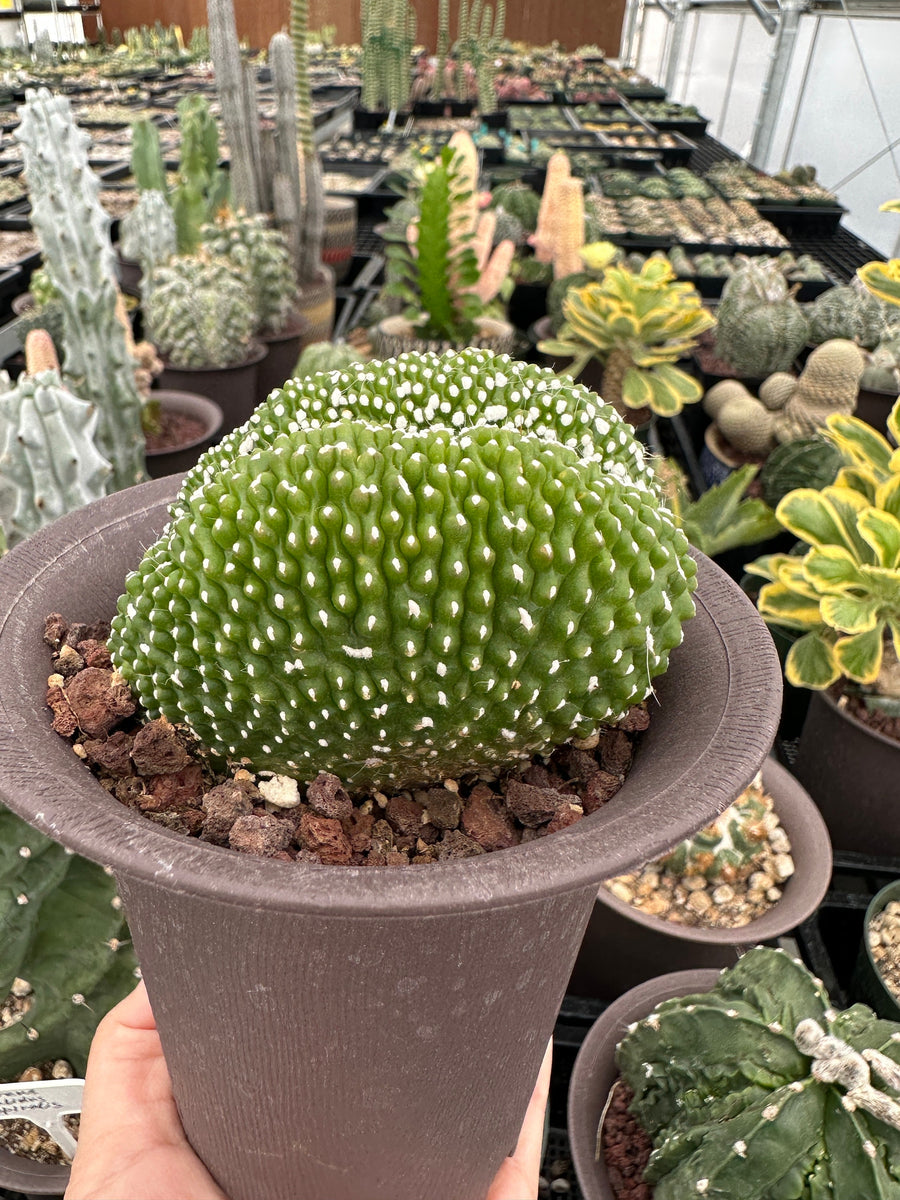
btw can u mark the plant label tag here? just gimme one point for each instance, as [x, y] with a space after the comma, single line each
[45, 1103]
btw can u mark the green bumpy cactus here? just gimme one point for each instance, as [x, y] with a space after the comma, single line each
[728, 847]
[401, 604]
[759, 1089]
[147, 232]
[847, 312]
[320, 357]
[63, 938]
[198, 312]
[761, 328]
[49, 463]
[260, 254]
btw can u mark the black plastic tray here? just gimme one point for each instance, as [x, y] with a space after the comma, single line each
[816, 220]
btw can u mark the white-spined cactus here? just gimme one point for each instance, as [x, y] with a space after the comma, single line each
[147, 233]
[259, 253]
[396, 596]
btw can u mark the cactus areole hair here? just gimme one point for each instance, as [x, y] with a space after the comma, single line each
[408, 570]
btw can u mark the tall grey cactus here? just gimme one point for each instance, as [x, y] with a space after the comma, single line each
[236, 89]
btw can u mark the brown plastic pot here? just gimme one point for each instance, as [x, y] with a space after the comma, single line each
[595, 1070]
[233, 388]
[315, 304]
[177, 459]
[623, 947]
[336, 1033]
[851, 772]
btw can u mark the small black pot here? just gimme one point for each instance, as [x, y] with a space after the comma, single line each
[181, 458]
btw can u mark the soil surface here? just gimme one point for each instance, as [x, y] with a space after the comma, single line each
[161, 770]
[877, 720]
[24, 1138]
[176, 430]
[626, 1147]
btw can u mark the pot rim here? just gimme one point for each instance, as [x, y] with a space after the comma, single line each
[256, 352]
[594, 1069]
[678, 787]
[803, 891]
[192, 404]
[831, 702]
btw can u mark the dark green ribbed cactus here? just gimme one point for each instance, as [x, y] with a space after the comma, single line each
[758, 1089]
[64, 949]
[260, 255]
[49, 463]
[399, 595]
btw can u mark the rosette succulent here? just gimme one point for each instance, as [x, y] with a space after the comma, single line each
[406, 571]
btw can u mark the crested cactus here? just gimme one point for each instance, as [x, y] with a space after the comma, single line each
[147, 233]
[49, 464]
[460, 593]
[65, 957]
[74, 232]
[728, 847]
[199, 313]
[761, 328]
[260, 254]
[758, 1088]
[829, 383]
[850, 313]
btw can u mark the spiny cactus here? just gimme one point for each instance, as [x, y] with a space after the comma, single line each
[199, 313]
[758, 1089]
[74, 232]
[400, 602]
[761, 328]
[49, 463]
[324, 357]
[882, 371]
[388, 36]
[147, 232]
[829, 383]
[728, 847]
[559, 235]
[65, 957]
[260, 255]
[847, 312]
[805, 463]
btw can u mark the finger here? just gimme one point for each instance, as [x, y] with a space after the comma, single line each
[531, 1138]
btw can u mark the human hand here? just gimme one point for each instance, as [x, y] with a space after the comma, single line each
[131, 1145]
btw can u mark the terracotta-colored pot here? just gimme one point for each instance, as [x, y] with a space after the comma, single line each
[851, 771]
[397, 335]
[336, 1033]
[283, 351]
[595, 1070]
[623, 946]
[177, 459]
[233, 388]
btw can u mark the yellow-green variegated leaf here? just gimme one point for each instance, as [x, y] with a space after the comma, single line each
[637, 388]
[859, 657]
[597, 255]
[890, 206]
[778, 605]
[860, 444]
[766, 566]
[887, 496]
[881, 531]
[894, 627]
[832, 569]
[810, 663]
[893, 424]
[882, 279]
[792, 573]
[856, 480]
[812, 517]
[850, 614]
[666, 401]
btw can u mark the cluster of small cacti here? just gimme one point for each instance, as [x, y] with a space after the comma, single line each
[388, 36]
[423, 547]
[260, 254]
[74, 233]
[198, 312]
[559, 235]
[729, 846]
[849, 312]
[760, 326]
[66, 958]
[147, 233]
[758, 1088]
[788, 407]
[49, 463]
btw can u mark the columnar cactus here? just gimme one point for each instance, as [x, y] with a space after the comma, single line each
[443, 44]
[399, 600]
[199, 313]
[65, 956]
[260, 255]
[761, 328]
[233, 87]
[559, 235]
[147, 232]
[758, 1089]
[388, 36]
[74, 233]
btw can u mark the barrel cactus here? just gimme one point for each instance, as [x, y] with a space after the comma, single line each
[320, 357]
[396, 596]
[847, 312]
[758, 1088]
[761, 328]
[261, 255]
[809, 462]
[728, 847]
[198, 312]
[65, 955]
